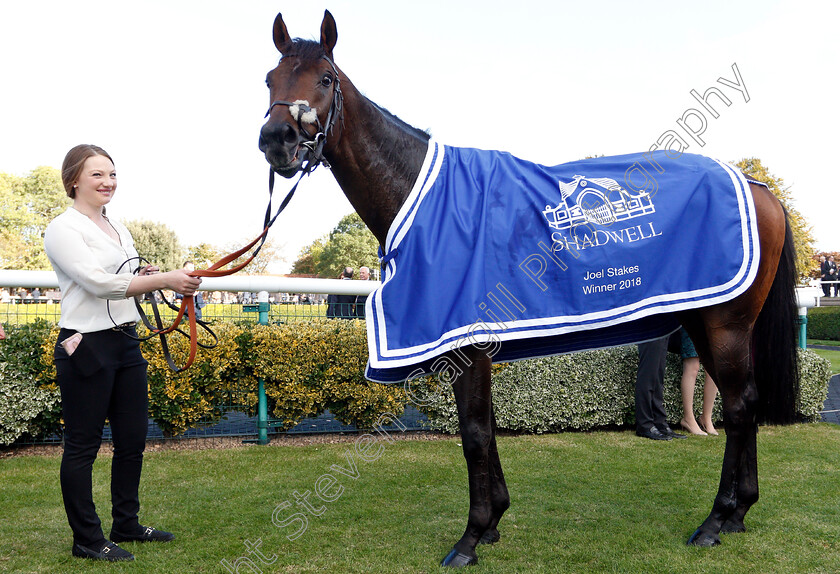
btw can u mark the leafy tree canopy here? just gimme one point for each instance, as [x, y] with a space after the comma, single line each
[807, 264]
[350, 243]
[157, 243]
[307, 261]
[203, 255]
[27, 205]
[269, 253]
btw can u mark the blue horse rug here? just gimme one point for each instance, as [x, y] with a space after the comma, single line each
[524, 260]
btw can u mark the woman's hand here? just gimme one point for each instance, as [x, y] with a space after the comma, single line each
[151, 279]
[181, 281]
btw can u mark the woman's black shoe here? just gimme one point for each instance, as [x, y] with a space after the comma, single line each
[109, 551]
[144, 534]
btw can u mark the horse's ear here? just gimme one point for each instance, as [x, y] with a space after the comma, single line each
[329, 34]
[282, 40]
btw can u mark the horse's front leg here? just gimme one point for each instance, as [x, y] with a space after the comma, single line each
[472, 396]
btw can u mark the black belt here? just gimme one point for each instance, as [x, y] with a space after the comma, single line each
[124, 326]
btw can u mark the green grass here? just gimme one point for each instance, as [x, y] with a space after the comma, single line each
[593, 502]
[828, 343]
[832, 356]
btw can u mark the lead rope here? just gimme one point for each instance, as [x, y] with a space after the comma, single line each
[188, 306]
[316, 147]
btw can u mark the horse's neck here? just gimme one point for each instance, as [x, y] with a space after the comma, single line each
[376, 161]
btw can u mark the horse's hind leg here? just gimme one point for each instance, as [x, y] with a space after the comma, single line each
[488, 495]
[727, 358]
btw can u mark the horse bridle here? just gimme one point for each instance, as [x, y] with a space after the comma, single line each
[316, 147]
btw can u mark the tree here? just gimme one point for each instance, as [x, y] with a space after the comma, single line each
[157, 243]
[27, 205]
[269, 253]
[350, 243]
[802, 236]
[307, 261]
[203, 255]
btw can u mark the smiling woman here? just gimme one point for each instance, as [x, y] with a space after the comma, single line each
[100, 371]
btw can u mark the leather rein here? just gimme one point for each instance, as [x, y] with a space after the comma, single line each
[315, 146]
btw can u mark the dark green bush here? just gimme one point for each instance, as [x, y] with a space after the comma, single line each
[824, 323]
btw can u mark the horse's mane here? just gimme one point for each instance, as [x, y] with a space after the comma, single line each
[405, 125]
[305, 49]
[311, 50]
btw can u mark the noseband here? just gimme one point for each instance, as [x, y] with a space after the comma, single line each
[315, 145]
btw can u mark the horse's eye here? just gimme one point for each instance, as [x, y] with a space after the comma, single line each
[326, 81]
[267, 83]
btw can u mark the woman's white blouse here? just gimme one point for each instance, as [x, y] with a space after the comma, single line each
[86, 260]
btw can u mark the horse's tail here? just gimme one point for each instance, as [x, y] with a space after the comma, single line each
[775, 343]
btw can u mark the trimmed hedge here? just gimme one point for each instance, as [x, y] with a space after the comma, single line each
[307, 367]
[594, 389]
[312, 366]
[824, 323]
[31, 401]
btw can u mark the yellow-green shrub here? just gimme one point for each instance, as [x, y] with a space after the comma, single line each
[309, 367]
[29, 398]
[177, 401]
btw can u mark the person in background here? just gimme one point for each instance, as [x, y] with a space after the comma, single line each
[824, 271]
[651, 419]
[691, 366]
[364, 275]
[332, 302]
[344, 303]
[832, 275]
[100, 371]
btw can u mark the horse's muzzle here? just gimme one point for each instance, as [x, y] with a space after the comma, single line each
[281, 144]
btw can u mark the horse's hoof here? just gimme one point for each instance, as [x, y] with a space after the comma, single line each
[703, 539]
[733, 527]
[490, 536]
[457, 560]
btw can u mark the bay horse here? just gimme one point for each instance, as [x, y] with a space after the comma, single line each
[747, 344]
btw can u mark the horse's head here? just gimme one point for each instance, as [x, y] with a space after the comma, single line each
[305, 100]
